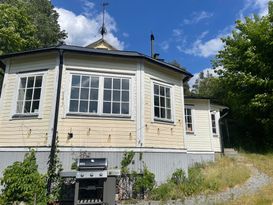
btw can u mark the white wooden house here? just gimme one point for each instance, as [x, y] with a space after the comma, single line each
[101, 102]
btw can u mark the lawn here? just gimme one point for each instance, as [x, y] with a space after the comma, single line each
[203, 178]
[265, 196]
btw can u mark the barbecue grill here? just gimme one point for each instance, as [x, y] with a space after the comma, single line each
[94, 183]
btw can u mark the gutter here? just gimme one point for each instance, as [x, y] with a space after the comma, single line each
[55, 125]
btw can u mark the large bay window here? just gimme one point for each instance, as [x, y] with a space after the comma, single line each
[29, 94]
[99, 95]
[162, 102]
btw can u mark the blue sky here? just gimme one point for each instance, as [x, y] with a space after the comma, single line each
[186, 31]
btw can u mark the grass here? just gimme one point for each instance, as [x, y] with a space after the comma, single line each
[265, 196]
[203, 178]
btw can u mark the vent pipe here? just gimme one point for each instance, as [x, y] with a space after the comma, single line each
[152, 45]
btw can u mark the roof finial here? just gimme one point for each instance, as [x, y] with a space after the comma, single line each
[103, 29]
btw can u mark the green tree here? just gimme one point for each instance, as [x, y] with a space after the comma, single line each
[247, 77]
[22, 182]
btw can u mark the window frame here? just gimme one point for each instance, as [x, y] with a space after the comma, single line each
[166, 85]
[14, 114]
[99, 113]
[213, 113]
[191, 107]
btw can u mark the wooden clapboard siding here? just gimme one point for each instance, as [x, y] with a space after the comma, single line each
[26, 132]
[97, 131]
[201, 138]
[157, 134]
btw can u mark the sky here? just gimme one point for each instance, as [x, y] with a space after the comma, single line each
[186, 31]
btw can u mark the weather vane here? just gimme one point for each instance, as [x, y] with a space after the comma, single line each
[103, 30]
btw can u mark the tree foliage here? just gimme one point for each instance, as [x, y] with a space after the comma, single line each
[28, 24]
[247, 78]
[22, 182]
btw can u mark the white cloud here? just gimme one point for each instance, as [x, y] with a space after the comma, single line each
[197, 17]
[211, 71]
[126, 35]
[165, 45]
[83, 30]
[254, 6]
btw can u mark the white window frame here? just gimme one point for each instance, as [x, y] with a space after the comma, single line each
[155, 119]
[14, 114]
[191, 107]
[100, 95]
[216, 124]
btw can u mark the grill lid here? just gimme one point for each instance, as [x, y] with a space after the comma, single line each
[92, 164]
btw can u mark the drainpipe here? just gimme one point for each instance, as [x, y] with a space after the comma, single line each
[221, 140]
[55, 125]
[3, 67]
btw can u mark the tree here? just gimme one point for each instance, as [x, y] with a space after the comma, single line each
[22, 182]
[32, 23]
[247, 77]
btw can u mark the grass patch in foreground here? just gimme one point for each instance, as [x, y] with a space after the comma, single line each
[203, 178]
[265, 196]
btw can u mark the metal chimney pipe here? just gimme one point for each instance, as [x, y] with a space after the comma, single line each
[152, 45]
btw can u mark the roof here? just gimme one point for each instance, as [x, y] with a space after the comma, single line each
[93, 51]
[212, 100]
[197, 97]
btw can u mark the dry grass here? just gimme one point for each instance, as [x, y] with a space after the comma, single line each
[226, 172]
[265, 196]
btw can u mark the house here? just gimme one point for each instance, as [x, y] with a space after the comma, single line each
[101, 102]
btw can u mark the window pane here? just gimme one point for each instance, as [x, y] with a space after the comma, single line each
[94, 82]
[85, 81]
[162, 101]
[213, 117]
[106, 107]
[93, 106]
[107, 95]
[35, 106]
[73, 105]
[116, 83]
[30, 82]
[29, 94]
[168, 92]
[38, 82]
[75, 92]
[169, 116]
[37, 93]
[27, 107]
[107, 82]
[162, 112]
[75, 80]
[83, 106]
[94, 93]
[189, 127]
[156, 100]
[19, 107]
[125, 84]
[189, 119]
[125, 96]
[21, 94]
[168, 102]
[125, 108]
[162, 91]
[23, 82]
[156, 110]
[84, 93]
[116, 108]
[214, 130]
[156, 89]
[116, 95]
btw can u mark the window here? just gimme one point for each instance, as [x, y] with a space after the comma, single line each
[162, 102]
[84, 94]
[213, 124]
[29, 94]
[188, 119]
[116, 96]
[99, 95]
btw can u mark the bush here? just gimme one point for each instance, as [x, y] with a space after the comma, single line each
[22, 181]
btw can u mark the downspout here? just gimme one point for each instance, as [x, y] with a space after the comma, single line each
[55, 125]
[3, 67]
[221, 137]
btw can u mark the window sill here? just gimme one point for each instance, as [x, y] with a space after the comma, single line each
[215, 135]
[190, 133]
[25, 116]
[163, 121]
[95, 116]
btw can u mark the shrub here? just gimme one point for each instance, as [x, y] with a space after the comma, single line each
[22, 181]
[143, 182]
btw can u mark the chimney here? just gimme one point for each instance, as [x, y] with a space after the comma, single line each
[152, 45]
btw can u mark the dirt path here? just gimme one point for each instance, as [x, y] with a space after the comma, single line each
[252, 185]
